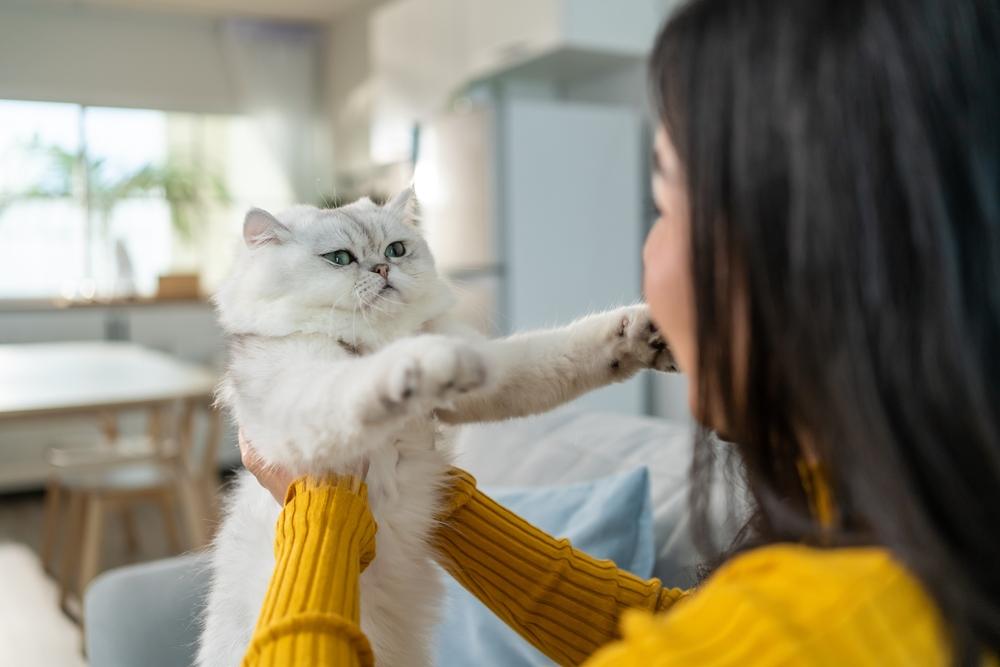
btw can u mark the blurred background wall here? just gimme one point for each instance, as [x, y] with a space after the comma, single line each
[135, 133]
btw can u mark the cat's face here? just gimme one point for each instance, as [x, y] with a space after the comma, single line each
[360, 260]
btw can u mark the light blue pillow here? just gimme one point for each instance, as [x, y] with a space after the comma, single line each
[607, 518]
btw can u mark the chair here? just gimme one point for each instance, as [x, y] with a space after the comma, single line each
[121, 474]
[147, 614]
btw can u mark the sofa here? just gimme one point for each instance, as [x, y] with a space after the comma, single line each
[147, 614]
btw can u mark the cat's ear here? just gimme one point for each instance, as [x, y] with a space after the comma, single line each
[405, 203]
[260, 227]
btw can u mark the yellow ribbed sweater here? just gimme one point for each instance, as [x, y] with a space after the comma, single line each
[777, 605]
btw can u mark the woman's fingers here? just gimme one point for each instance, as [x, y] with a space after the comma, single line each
[273, 478]
[247, 454]
[359, 475]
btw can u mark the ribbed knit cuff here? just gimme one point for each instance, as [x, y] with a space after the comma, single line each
[325, 536]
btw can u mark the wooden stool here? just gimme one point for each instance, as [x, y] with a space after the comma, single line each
[92, 482]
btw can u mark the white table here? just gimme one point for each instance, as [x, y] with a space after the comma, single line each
[43, 381]
[49, 379]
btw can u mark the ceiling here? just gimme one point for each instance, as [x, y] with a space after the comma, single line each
[291, 10]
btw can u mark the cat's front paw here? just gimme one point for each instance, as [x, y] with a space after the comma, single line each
[636, 343]
[429, 372]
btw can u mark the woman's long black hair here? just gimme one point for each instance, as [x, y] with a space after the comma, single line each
[841, 159]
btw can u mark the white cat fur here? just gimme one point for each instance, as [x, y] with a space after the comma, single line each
[329, 367]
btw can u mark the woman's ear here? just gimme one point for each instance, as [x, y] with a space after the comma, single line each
[405, 203]
[260, 227]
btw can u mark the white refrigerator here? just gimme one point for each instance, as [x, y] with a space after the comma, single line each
[537, 209]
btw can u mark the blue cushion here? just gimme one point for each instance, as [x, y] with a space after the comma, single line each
[607, 518]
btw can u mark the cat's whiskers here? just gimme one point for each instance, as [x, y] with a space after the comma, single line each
[368, 324]
[374, 306]
[392, 301]
[384, 311]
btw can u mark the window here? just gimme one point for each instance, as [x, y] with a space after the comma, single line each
[99, 202]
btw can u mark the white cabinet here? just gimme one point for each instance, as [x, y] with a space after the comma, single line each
[447, 43]
[504, 34]
[499, 35]
[187, 330]
[424, 51]
[416, 51]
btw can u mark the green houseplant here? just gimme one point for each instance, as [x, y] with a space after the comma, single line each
[188, 189]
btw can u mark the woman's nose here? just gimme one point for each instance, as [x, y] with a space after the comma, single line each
[382, 270]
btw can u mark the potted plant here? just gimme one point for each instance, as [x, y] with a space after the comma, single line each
[188, 189]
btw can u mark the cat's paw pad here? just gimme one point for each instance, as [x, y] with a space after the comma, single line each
[637, 343]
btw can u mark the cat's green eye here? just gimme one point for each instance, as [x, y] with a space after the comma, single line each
[338, 257]
[395, 249]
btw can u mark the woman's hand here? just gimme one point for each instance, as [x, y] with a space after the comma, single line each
[275, 478]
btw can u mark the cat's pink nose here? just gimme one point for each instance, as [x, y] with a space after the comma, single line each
[382, 270]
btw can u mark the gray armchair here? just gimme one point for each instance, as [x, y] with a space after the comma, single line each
[146, 615]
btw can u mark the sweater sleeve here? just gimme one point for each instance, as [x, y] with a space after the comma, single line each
[788, 604]
[564, 602]
[310, 616]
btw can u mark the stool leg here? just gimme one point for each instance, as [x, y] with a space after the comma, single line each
[90, 553]
[193, 511]
[165, 501]
[71, 546]
[210, 501]
[51, 523]
[131, 531]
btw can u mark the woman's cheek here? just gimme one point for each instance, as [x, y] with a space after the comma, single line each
[667, 285]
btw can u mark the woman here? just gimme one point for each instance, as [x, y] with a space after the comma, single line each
[826, 268]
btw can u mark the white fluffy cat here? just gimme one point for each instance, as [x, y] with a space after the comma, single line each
[343, 348]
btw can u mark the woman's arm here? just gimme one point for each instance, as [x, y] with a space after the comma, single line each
[566, 603]
[325, 539]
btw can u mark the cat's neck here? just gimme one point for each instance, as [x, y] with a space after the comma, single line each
[362, 330]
